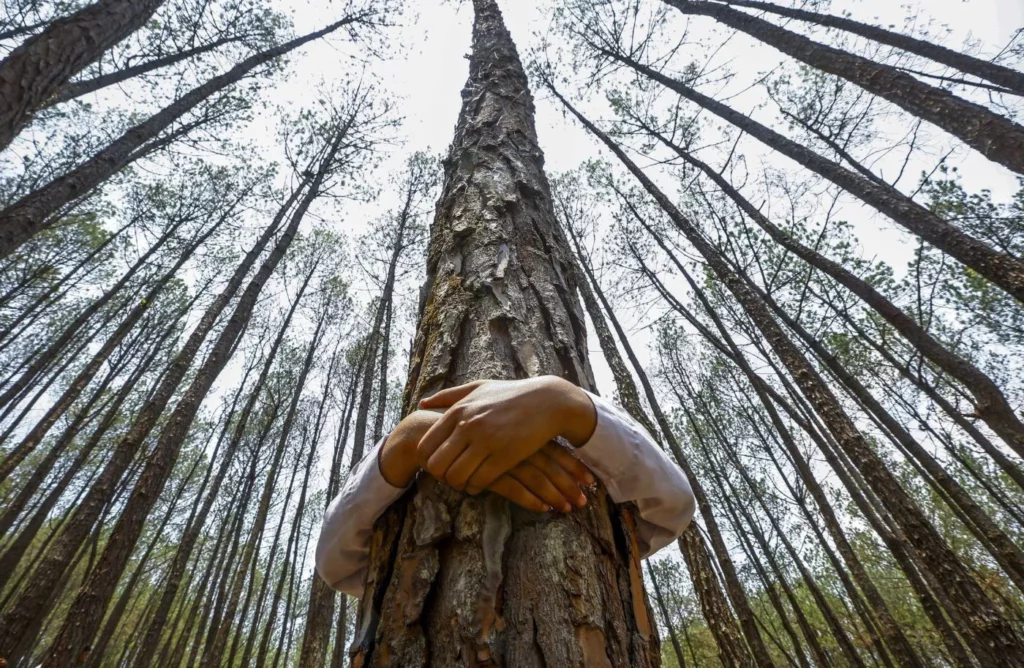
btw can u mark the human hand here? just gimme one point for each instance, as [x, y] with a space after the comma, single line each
[491, 427]
[549, 479]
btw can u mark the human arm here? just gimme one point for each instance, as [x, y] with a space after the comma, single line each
[548, 478]
[489, 425]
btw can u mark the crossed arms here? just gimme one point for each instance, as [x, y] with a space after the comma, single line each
[499, 436]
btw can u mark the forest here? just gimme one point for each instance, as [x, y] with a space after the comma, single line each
[241, 239]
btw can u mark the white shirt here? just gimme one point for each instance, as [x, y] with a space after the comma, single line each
[621, 453]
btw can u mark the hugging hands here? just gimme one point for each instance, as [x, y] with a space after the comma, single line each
[499, 436]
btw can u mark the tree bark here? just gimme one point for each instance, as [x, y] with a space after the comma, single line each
[894, 637]
[194, 526]
[78, 89]
[985, 69]
[75, 388]
[460, 581]
[32, 213]
[37, 69]
[320, 612]
[996, 137]
[988, 632]
[666, 616]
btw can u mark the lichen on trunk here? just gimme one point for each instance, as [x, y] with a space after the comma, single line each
[462, 581]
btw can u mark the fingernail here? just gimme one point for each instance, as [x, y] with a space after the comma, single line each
[589, 477]
[548, 509]
[582, 500]
[567, 508]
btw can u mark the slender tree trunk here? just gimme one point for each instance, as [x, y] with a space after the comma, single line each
[1001, 269]
[835, 626]
[213, 654]
[340, 633]
[53, 294]
[288, 567]
[195, 524]
[115, 616]
[1006, 553]
[92, 599]
[733, 653]
[984, 69]
[996, 137]
[38, 68]
[32, 604]
[45, 357]
[16, 550]
[988, 632]
[990, 403]
[770, 587]
[75, 388]
[500, 304]
[14, 507]
[666, 617]
[79, 89]
[382, 377]
[320, 612]
[32, 213]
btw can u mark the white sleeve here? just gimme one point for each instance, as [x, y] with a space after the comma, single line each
[633, 468]
[343, 551]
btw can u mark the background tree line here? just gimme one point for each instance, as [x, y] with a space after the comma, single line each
[800, 297]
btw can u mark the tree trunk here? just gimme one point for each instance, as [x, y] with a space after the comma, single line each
[78, 89]
[1001, 269]
[34, 212]
[37, 69]
[74, 389]
[42, 359]
[320, 612]
[984, 69]
[460, 581]
[988, 632]
[212, 655]
[666, 616]
[1000, 546]
[996, 137]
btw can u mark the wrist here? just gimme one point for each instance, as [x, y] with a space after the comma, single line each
[397, 461]
[576, 415]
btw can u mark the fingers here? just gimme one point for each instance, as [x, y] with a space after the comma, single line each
[458, 474]
[437, 434]
[570, 463]
[567, 486]
[490, 470]
[534, 480]
[514, 491]
[449, 397]
[445, 455]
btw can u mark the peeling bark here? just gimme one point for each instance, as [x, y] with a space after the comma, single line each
[460, 581]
